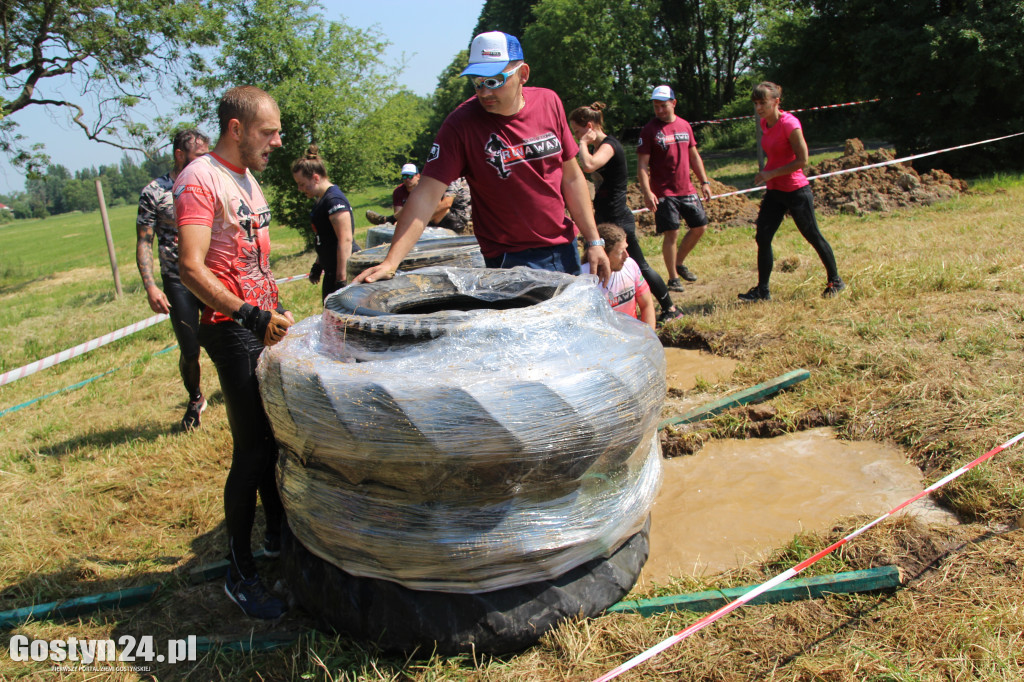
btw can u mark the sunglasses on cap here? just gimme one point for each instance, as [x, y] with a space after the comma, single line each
[494, 82]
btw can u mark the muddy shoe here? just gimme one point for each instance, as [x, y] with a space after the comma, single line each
[685, 273]
[833, 288]
[755, 294]
[675, 284]
[376, 218]
[193, 414]
[669, 315]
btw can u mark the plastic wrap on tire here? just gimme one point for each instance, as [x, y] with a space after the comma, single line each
[383, 234]
[503, 439]
[462, 252]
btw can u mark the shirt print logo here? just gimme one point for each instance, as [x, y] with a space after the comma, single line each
[664, 141]
[502, 155]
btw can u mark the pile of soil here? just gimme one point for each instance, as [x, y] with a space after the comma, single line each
[877, 189]
[724, 212]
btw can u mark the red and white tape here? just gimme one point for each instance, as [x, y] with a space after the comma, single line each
[796, 111]
[789, 573]
[881, 163]
[860, 168]
[81, 349]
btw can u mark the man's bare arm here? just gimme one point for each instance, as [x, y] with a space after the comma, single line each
[643, 178]
[144, 259]
[193, 245]
[577, 199]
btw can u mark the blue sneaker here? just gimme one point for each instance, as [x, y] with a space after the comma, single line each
[253, 598]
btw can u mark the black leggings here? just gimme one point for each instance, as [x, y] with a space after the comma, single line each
[657, 284]
[234, 351]
[800, 204]
[185, 312]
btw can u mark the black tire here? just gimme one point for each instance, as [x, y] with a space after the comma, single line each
[396, 618]
[423, 305]
[463, 252]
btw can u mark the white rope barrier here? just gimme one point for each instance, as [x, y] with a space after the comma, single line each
[81, 349]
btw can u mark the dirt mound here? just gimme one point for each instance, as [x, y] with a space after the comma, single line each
[725, 212]
[877, 189]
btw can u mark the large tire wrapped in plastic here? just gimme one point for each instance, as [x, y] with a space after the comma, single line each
[383, 234]
[462, 252]
[465, 431]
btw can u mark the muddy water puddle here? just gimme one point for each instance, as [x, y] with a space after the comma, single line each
[736, 500]
[684, 367]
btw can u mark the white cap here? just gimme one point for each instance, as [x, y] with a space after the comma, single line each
[409, 169]
[663, 93]
[491, 52]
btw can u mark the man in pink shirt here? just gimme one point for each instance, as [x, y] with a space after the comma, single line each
[666, 152]
[223, 223]
[514, 147]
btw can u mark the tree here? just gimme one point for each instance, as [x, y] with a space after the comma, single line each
[594, 53]
[452, 90]
[333, 89]
[509, 16]
[115, 52]
[941, 67]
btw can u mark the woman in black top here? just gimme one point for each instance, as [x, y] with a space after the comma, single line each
[331, 219]
[606, 164]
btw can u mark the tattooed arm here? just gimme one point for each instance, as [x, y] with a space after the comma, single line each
[144, 255]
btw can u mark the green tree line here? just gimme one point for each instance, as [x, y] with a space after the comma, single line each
[944, 70]
[58, 190]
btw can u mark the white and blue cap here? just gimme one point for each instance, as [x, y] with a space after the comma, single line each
[409, 169]
[491, 52]
[663, 93]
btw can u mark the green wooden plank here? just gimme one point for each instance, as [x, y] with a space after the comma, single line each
[80, 605]
[867, 580]
[743, 397]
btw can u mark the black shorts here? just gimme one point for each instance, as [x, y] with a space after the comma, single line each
[673, 210]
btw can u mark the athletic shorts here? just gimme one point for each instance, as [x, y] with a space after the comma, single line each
[673, 210]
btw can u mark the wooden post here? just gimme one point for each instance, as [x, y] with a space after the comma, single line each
[110, 239]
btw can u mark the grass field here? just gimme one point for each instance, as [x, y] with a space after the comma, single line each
[99, 492]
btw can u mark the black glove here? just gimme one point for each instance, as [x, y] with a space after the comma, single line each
[315, 272]
[254, 319]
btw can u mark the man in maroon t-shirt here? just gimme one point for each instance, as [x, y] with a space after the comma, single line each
[665, 153]
[514, 147]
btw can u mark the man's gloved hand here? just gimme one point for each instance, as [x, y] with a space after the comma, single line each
[268, 326]
[315, 272]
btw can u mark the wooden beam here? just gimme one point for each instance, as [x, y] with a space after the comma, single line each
[867, 580]
[743, 397]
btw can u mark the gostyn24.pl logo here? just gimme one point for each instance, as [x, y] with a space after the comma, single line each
[127, 649]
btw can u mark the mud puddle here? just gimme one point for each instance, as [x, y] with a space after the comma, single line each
[736, 500]
[684, 367]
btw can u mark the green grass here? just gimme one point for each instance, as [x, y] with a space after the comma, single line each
[98, 492]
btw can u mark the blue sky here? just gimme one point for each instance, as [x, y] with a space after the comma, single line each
[428, 34]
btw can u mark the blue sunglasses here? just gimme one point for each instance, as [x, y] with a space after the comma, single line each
[494, 82]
